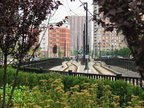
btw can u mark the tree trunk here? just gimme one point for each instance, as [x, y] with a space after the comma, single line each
[13, 85]
[4, 80]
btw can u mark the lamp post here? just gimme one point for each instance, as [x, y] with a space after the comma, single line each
[95, 52]
[99, 49]
[112, 50]
[84, 45]
[77, 48]
[86, 38]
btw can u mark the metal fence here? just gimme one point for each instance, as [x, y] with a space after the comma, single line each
[44, 64]
[128, 64]
[41, 67]
[131, 80]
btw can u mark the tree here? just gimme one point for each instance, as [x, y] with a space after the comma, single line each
[31, 54]
[19, 30]
[60, 52]
[125, 52]
[126, 16]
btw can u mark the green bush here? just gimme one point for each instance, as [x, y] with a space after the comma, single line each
[44, 58]
[24, 78]
[102, 92]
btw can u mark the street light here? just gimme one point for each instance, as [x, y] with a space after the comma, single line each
[112, 50]
[77, 48]
[86, 38]
[99, 49]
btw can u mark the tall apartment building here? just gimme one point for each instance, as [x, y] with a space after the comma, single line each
[59, 36]
[106, 41]
[77, 27]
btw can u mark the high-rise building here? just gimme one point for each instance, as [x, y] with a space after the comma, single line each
[106, 41]
[77, 28]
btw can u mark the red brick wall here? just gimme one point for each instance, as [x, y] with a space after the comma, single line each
[59, 36]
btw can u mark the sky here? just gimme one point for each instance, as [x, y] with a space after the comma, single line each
[72, 8]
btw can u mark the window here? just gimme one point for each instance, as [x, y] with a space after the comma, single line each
[57, 39]
[50, 30]
[50, 39]
[57, 30]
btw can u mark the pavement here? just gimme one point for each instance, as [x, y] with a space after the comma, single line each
[81, 68]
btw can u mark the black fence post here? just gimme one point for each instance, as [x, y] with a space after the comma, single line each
[24, 69]
[69, 71]
[41, 69]
[118, 76]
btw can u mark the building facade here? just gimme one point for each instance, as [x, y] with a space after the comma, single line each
[106, 41]
[59, 36]
[43, 39]
[77, 28]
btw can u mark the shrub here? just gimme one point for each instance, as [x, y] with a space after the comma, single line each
[54, 90]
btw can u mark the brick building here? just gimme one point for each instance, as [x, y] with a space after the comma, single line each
[59, 36]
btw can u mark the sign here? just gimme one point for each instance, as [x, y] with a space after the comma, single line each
[86, 56]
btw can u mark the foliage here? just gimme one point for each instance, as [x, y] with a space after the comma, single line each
[19, 91]
[24, 78]
[70, 81]
[44, 58]
[30, 54]
[19, 30]
[60, 52]
[50, 88]
[51, 92]
[126, 17]
[125, 52]
[94, 53]
[74, 52]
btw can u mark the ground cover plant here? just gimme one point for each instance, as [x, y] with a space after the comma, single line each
[54, 90]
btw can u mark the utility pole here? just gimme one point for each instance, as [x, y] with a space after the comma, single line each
[84, 45]
[86, 38]
[77, 48]
[64, 48]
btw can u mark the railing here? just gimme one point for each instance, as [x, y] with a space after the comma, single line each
[132, 80]
[128, 64]
[44, 64]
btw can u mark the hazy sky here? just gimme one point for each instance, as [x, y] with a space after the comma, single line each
[72, 8]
